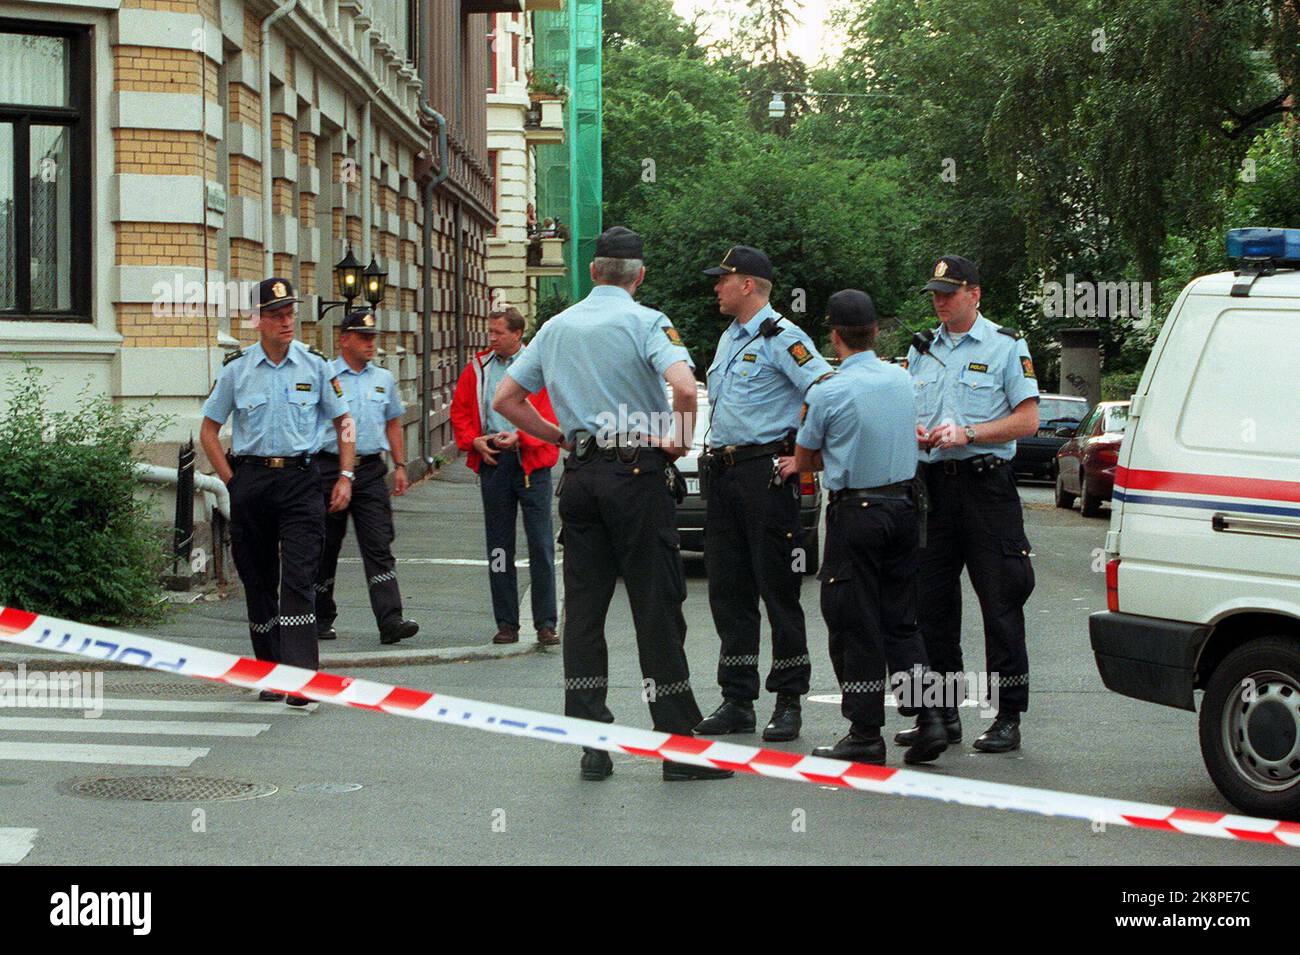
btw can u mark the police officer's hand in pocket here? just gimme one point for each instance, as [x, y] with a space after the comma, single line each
[341, 496]
[486, 451]
[787, 466]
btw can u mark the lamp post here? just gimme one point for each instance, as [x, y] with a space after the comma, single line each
[348, 275]
[776, 106]
[376, 279]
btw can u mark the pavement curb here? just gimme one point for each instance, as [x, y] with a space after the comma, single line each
[354, 659]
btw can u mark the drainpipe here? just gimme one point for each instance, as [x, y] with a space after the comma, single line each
[366, 212]
[426, 269]
[268, 256]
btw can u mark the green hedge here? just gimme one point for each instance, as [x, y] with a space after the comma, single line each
[75, 542]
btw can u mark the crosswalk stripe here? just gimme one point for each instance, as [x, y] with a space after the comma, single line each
[15, 844]
[41, 724]
[118, 755]
[251, 708]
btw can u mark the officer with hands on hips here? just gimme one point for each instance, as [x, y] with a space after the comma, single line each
[377, 409]
[859, 427]
[604, 361]
[752, 532]
[976, 393]
[280, 392]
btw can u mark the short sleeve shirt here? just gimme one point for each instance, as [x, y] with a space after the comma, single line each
[373, 399]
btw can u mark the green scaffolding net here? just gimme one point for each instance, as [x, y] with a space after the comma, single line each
[567, 48]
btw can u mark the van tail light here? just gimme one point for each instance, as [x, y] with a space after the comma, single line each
[1112, 585]
[807, 483]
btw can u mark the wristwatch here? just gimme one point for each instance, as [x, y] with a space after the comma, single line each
[348, 475]
[970, 434]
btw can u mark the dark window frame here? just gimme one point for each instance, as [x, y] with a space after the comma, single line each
[78, 118]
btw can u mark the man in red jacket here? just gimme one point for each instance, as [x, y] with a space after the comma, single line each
[514, 471]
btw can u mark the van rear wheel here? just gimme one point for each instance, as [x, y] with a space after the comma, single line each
[1250, 727]
[1064, 499]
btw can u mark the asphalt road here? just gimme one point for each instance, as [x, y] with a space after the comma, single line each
[422, 793]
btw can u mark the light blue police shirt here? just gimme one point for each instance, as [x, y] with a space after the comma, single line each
[373, 399]
[863, 419]
[278, 409]
[602, 362]
[987, 375]
[756, 384]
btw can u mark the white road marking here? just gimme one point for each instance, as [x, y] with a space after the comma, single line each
[251, 708]
[444, 561]
[41, 724]
[103, 755]
[15, 844]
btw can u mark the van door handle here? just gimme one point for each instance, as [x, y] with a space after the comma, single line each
[1257, 525]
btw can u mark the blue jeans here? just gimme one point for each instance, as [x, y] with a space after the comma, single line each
[505, 490]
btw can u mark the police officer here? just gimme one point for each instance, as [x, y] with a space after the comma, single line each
[377, 409]
[752, 533]
[976, 393]
[604, 362]
[280, 392]
[859, 426]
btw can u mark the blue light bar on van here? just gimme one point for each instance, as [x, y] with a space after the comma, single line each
[1274, 244]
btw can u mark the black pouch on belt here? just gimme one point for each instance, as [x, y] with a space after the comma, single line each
[676, 483]
[706, 460]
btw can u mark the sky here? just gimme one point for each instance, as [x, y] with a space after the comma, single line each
[808, 41]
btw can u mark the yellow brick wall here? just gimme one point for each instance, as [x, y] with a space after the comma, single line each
[308, 283]
[162, 152]
[281, 197]
[389, 199]
[281, 131]
[176, 6]
[289, 67]
[306, 149]
[283, 264]
[245, 177]
[307, 210]
[155, 70]
[354, 231]
[407, 208]
[159, 243]
[184, 327]
[242, 106]
[252, 33]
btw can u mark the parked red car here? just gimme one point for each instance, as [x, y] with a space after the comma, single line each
[1085, 465]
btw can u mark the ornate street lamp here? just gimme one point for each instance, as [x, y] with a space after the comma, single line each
[347, 273]
[375, 280]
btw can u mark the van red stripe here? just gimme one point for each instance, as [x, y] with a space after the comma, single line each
[1258, 488]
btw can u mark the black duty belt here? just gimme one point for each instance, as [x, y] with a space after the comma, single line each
[977, 465]
[361, 459]
[301, 462]
[624, 449]
[731, 454]
[902, 491]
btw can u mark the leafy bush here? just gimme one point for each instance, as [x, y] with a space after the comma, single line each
[74, 540]
[1119, 385]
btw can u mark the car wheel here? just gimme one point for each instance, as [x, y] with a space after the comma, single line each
[1250, 727]
[1090, 504]
[1064, 499]
[812, 547]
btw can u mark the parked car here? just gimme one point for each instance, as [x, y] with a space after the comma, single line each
[1036, 455]
[1203, 552]
[1085, 465]
[690, 513]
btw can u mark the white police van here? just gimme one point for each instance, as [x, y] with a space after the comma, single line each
[1203, 551]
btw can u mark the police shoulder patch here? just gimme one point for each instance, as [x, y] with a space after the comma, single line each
[338, 389]
[800, 353]
[237, 353]
[1010, 332]
[674, 336]
[1027, 366]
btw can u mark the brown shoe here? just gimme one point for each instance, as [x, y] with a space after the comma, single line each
[546, 637]
[507, 635]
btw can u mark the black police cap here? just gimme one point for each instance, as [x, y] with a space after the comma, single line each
[274, 292]
[951, 273]
[849, 307]
[618, 242]
[744, 260]
[360, 320]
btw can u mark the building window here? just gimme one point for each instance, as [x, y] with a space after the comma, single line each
[45, 171]
[413, 38]
[492, 61]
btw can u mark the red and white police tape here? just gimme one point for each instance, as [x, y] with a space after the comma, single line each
[51, 633]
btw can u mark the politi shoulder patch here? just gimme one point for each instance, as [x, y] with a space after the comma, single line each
[338, 389]
[1027, 365]
[674, 336]
[800, 353]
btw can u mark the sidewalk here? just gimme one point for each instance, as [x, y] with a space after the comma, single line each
[442, 572]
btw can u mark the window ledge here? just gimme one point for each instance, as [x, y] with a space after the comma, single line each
[57, 336]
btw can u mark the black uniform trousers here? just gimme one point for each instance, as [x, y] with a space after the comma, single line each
[751, 533]
[619, 520]
[277, 531]
[976, 521]
[868, 600]
[372, 515]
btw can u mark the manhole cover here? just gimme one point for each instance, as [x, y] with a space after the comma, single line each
[327, 789]
[187, 688]
[167, 788]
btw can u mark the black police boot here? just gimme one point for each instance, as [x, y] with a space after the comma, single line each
[398, 631]
[931, 736]
[1002, 737]
[297, 700]
[733, 716]
[329, 633]
[859, 746]
[676, 772]
[270, 696]
[951, 719]
[596, 764]
[787, 719]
